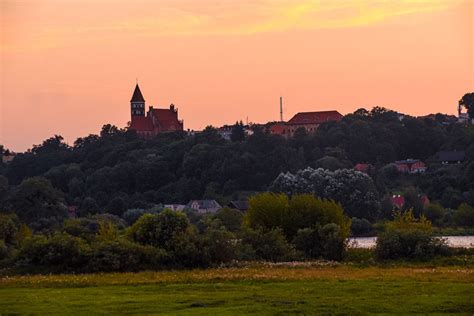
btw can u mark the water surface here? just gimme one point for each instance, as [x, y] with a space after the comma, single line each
[453, 241]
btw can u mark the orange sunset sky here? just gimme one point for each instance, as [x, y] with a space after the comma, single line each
[69, 66]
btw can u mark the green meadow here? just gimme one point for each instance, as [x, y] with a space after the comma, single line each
[260, 290]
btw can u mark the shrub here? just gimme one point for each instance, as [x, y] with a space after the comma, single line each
[8, 228]
[132, 215]
[123, 255]
[3, 250]
[170, 231]
[360, 227]
[464, 216]
[107, 231]
[230, 218]
[159, 230]
[24, 233]
[307, 211]
[183, 249]
[88, 207]
[408, 238]
[321, 242]
[218, 246]
[61, 250]
[333, 241]
[307, 240]
[117, 206]
[116, 220]
[267, 245]
[84, 228]
[435, 213]
[269, 211]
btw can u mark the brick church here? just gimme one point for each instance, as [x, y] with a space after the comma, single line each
[155, 121]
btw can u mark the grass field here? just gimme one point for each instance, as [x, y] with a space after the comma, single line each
[260, 289]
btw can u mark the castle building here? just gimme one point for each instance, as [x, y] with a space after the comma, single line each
[155, 121]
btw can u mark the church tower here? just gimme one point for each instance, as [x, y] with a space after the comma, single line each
[137, 103]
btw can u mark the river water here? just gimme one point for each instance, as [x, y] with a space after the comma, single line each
[453, 241]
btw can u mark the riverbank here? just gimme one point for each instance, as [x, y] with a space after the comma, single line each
[457, 241]
[258, 289]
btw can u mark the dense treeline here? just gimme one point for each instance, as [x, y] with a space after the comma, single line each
[117, 171]
[303, 228]
[119, 183]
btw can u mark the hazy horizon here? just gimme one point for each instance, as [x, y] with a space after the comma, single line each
[70, 67]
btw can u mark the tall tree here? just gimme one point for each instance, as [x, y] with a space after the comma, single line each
[35, 198]
[468, 102]
[238, 132]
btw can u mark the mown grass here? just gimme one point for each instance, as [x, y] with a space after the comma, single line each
[258, 289]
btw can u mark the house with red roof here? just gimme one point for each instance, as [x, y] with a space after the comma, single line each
[398, 201]
[364, 167]
[310, 121]
[155, 121]
[278, 128]
[410, 166]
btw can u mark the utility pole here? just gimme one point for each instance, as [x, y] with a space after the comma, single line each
[281, 109]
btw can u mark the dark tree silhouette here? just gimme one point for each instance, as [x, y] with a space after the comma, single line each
[468, 102]
[238, 132]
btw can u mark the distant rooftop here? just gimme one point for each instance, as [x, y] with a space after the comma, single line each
[317, 117]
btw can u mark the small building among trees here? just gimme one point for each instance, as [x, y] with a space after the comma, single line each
[204, 206]
[410, 166]
[309, 121]
[450, 157]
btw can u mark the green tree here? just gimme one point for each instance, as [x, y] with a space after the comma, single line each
[435, 213]
[218, 246]
[238, 132]
[413, 201]
[267, 210]
[51, 145]
[117, 206]
[408, 237]
[468, 102]
[266, 245]
[88, 207]
[9, 226]
[307, 211]
[159, 230]
[4, 187]
[107, 231]
[464, 216]
[61, 250]
[35, 198]
[123, 255]
[230, 218]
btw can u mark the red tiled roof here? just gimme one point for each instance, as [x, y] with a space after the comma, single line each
[315, 117]
[363, 167]
[425, 200]
[137, 95]
[166, 118]
[398, 201]
[141, 123]
[277, 128]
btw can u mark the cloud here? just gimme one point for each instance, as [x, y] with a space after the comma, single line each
[52, 23]
[250, 16]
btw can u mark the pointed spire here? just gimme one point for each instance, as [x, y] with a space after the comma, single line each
[137, 95]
